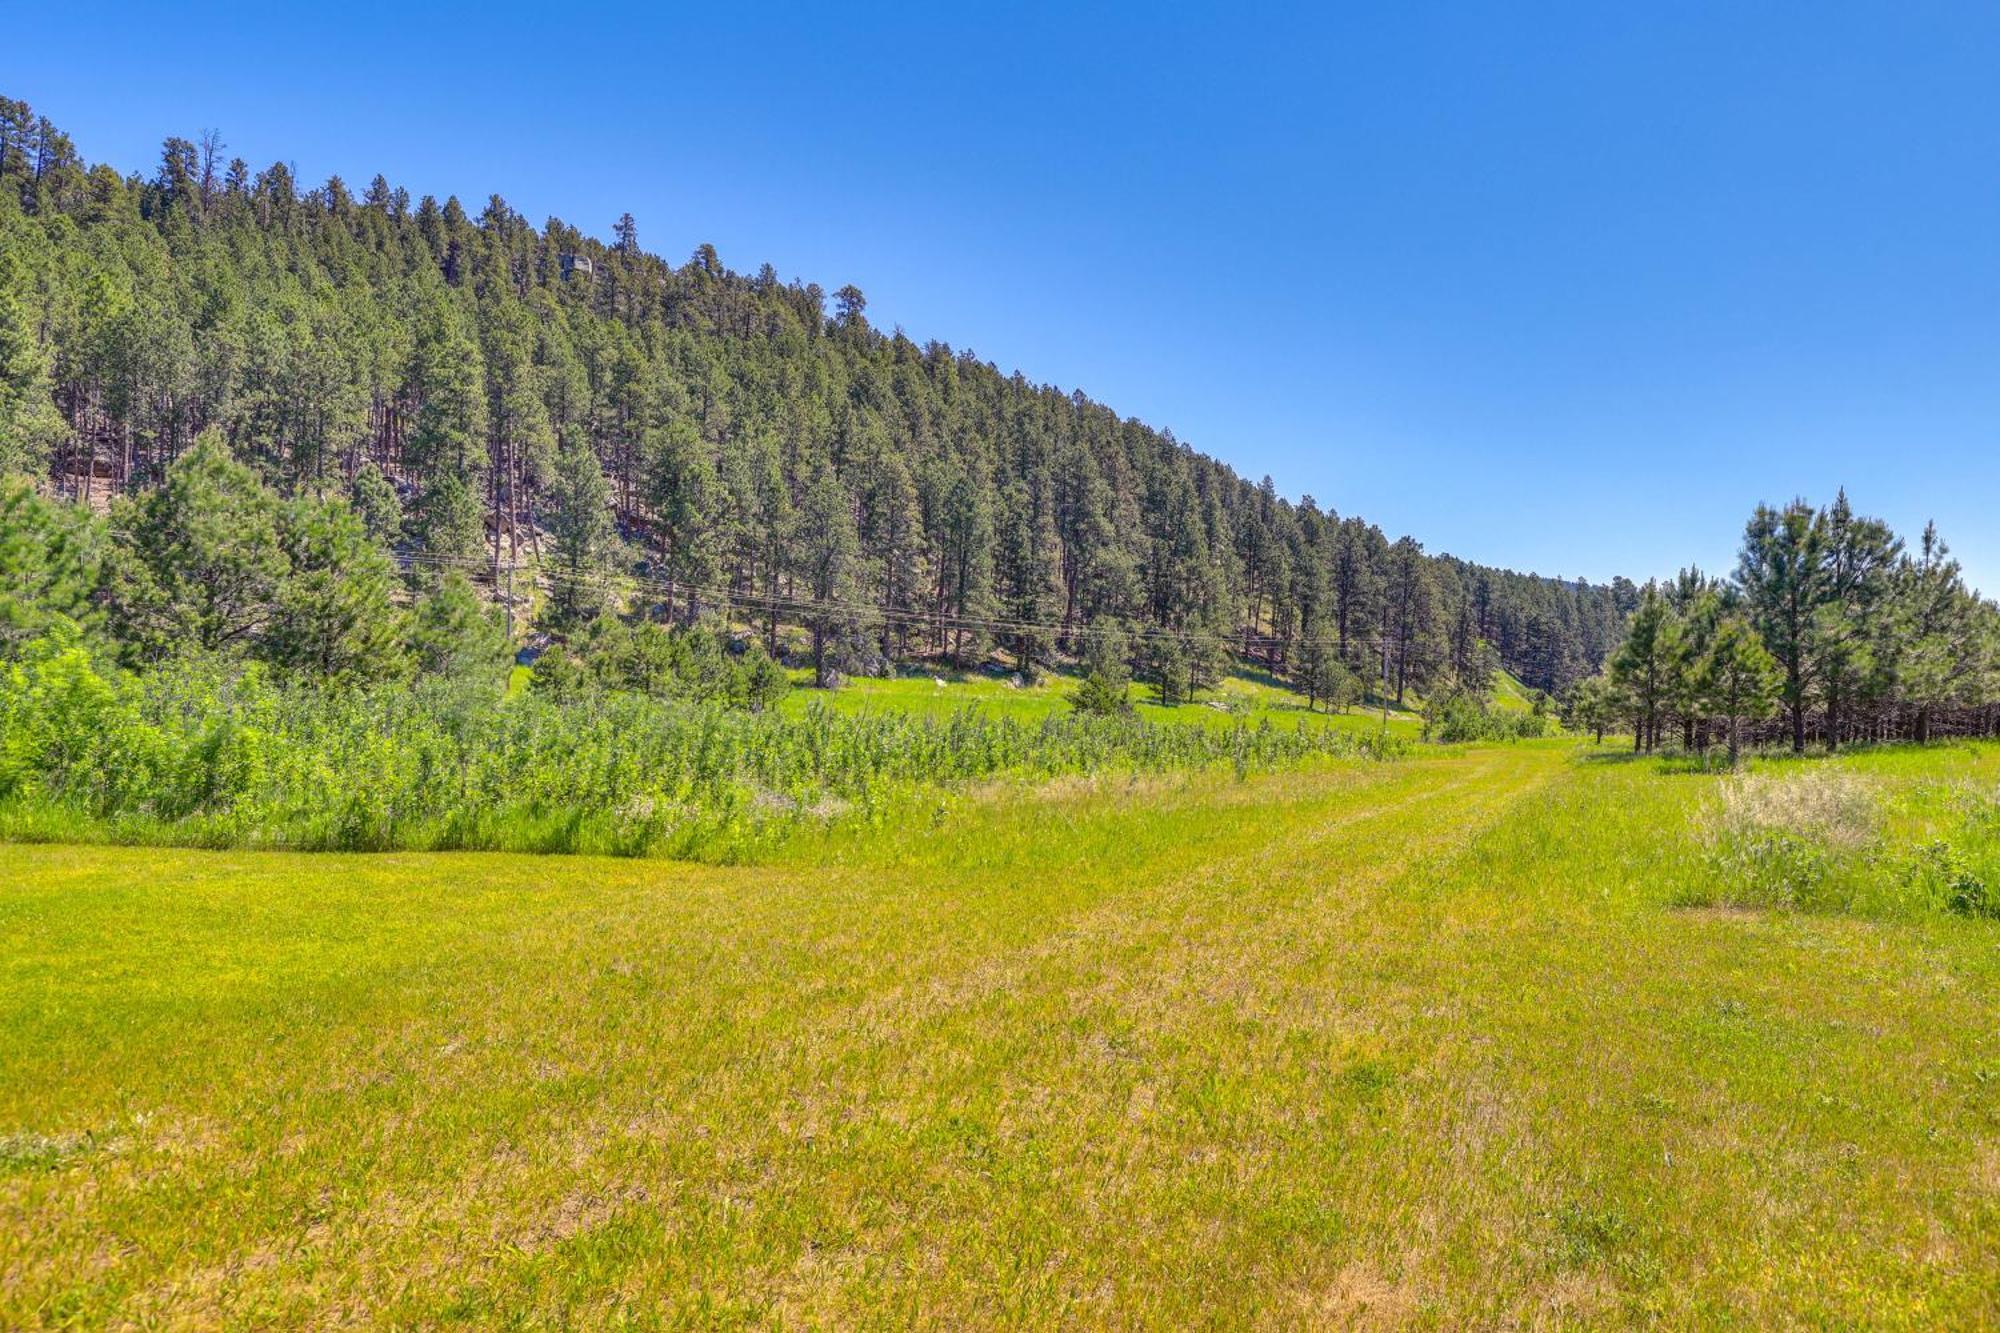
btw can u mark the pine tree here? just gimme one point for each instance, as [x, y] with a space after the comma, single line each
[685, 495]
[1782, 571]
[1106, 685]
[1738, 678]
[1860, 558]
[452, 633]
[448, 432]
[1590, 704]
[829, 556]
[335, 617]
[198, 561]
[1944, 654]
[30, 426]
[1412, 619]
[1644, 666]
[51, 565]
[964, 537]
[892, 533]
[580, 522]
[1319, 666]
[374, 499]
[1166, 659]
[1025, 575]
[519, 437]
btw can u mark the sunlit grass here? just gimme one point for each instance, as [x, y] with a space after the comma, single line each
[1243, 695]
[1510, 695]
[1434, 1042]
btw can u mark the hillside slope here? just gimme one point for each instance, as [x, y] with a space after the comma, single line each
[497, 394]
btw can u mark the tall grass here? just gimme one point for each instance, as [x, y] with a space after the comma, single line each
[193, 755]
[1827, 839]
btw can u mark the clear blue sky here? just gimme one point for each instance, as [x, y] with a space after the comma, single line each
[1565, 287]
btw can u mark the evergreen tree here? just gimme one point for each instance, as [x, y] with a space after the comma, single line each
[453, 634]
[335, 617]
[1166, 658]
[761, 682]
[1319, 667]
[964, 537]
[520, 439]
[685, 496]
[1589, 704]
[1025, 573]
[1645, 666]
[197, 562]
[892, 532]
[448, 385]
[1945, 643]
[51, 558]
[1738, 678]
[580, 522]
[374, 499]
[30, 426]
[1105, 689]
[829, 553]
[1782, 571]
[1860, 559]
[1411, 622]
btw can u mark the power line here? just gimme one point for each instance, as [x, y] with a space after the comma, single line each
[795, 606]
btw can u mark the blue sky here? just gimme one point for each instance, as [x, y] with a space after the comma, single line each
[1560, 287]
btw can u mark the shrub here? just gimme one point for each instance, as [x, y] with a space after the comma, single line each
[1954, 881]
[559, 676]
[205, 751]
[1461, 717]
[1101, 696]
[760, 681]
[1789, 839]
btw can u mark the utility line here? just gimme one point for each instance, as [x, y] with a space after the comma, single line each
[792, 605]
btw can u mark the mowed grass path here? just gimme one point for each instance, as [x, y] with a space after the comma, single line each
[1420, 1042]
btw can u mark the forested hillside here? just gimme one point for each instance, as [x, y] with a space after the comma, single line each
[576, 421]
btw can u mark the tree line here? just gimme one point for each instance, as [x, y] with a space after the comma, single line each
[682, 442]
[1831, 631]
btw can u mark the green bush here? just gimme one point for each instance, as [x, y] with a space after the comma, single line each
[1100, 696]
[1955, 882]
[205, 751]
[1461, 717]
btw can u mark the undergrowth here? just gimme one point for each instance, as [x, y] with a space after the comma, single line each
[189, 757]
[1826, 839]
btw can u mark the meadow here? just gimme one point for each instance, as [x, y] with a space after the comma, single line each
[1531, 1034]
[1244, 695]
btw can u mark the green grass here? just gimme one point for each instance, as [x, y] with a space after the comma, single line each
[1510, 695]
[1244, 695]
[1435, 1042]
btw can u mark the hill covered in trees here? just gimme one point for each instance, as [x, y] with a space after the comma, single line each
[582, 424]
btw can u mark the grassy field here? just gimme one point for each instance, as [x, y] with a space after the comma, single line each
[1495, 1036]
[1244, 695]
[1510, 695]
